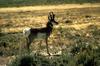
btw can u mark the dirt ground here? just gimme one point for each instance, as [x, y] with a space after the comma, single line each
[3, 61]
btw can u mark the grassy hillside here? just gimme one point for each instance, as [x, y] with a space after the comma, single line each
[12, 3]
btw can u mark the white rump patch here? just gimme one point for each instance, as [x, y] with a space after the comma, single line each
[26, 32]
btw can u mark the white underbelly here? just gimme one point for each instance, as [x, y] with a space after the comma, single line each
[41, 36]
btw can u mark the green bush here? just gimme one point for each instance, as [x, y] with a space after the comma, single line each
[29, 60]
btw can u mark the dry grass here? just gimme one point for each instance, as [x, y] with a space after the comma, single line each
[48, 7]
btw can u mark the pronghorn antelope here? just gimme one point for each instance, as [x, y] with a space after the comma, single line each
[35, 33]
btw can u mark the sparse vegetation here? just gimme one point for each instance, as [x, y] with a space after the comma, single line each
[87, 56]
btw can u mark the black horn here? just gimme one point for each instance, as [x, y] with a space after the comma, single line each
[51, 16]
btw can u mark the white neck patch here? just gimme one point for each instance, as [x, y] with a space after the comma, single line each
[26, 32]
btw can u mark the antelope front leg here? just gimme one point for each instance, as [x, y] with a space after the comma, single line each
[47, 46]
[27, 45]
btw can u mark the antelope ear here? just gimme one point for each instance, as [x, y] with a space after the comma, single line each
[53, 16]
[49, 16]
